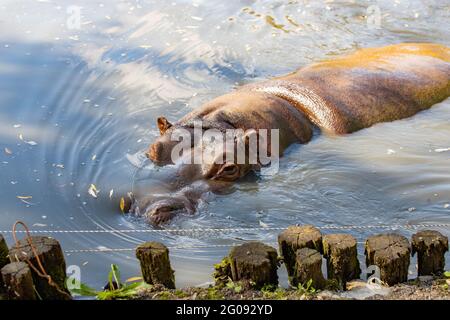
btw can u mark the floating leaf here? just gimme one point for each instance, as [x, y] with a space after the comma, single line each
[122, 205]
[262, 224]
[30, 142]
[93, 191]
[447, 274]
[133, 279]
[390, 151]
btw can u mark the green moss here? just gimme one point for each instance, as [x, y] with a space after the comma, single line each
[222, 272]
[164, 295]
[214, 293]
[274, 294]
[180, 294]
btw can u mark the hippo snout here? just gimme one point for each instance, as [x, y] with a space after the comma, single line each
[163, 211]
[155, 151]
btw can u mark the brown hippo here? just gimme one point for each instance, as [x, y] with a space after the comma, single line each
[338, 96]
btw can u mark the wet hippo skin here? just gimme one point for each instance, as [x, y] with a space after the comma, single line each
[338, 96]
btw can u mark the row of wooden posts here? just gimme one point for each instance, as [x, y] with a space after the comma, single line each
[34, 268]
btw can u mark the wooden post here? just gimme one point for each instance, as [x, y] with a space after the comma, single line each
[342, 258]
[308, 266]
[155, 264]
[52, 258]
[18, 281]
[390, 252]
[430, 247]
[294, 238]
[255, 263]
[4, 259]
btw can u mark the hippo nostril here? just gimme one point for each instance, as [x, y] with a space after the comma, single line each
[161, 213]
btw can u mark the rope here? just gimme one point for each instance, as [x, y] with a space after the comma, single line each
[221, 230]
[41, 271]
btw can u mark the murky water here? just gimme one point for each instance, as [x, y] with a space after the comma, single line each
[78, 105]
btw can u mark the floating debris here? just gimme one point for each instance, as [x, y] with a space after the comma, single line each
[390, 151]
[8, 151]
[412, 209]
[122, 205]
[93, 191]
[17, 126]
[94, 157]
[447, 205]
[30, 142]
[111, 192]
[262, 224]
[133, 279]
[24, 197]
[39, 225]
[442, 150]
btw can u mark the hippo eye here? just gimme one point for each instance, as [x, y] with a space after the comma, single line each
[228, 171]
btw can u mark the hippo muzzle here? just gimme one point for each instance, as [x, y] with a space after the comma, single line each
[164, 210]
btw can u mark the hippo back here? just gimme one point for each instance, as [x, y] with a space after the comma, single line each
[370, 86]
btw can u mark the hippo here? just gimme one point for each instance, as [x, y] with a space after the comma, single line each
[332, 97]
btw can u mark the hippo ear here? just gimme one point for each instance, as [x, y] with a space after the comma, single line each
[163, 125]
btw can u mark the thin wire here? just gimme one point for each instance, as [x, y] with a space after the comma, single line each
[220, 230]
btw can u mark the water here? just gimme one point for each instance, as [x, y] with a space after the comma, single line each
[78, 106]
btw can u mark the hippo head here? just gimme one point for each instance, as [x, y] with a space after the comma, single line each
[179, 179]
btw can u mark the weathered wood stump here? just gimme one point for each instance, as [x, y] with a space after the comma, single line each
[4, 259]
[430, 247]
[155, 264]
[390, 252]
[294, 238]
[342, 258]
[52, 258]
[255, 263]
[308, 266]
[18, 281]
